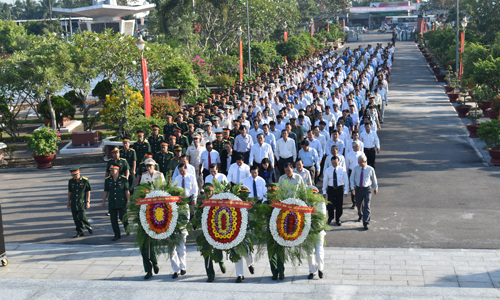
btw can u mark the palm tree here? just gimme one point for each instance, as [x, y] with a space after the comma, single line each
[46, 7]
[30, 9]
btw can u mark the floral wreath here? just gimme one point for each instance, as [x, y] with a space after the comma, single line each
[159, 219]
[290, 229]
[224, 227]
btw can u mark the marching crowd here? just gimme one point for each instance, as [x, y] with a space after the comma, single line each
[312, 121]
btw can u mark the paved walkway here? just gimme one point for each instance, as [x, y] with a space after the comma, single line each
[360, 273]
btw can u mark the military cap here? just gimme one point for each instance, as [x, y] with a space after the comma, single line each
[195, 136]
[172, 137]
[178, 148]
[208, 123]
[199, 130]
[190, 124]
[148, 155]
[126, 140]
[150, 161]
[163, 144]
[114, 166]
[215, 119]
[74, 170]
[115, 149]
[226, 129]
[140, 132]
[218, 133]
[177, 128]
[155, 126]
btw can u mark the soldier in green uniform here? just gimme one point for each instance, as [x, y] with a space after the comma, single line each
[168, 129]
[199, 122]
[226, 136]
[236, 129]
[187, 117]
[174, 162]
[141, 167]
[117, 188]
[190, 133]
[141, 146]
[130, 156]
[156, 139]
[181, 123]
[218, 144]
[181, 140]
[163, 158]
[121, 162]
[79, 200]
[297, 130]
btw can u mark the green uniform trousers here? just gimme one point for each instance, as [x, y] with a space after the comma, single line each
[209, 267]
[113, 215]
[277, 264]
[148, 259]
[80, 220]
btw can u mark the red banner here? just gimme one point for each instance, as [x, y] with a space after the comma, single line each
[462, 51]
[145, 83]
[294, 208]
[227, 203]
[241, 61]
[154, 200]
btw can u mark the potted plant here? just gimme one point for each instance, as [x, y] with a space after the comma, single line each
[474, 115]
[489, 132]
[43, 143]
[493, 111]
[462, 108]
[484, 95]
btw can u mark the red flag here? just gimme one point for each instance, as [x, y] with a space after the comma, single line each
[145, 82]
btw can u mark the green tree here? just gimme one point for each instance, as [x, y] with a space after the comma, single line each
[180, 75]
[43, 27]
[11, 36]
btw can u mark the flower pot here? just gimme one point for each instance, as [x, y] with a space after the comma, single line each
[495, 156]
[463, 110]
[484, 105]
[436, 70]
[44, 161]
[448, 88]
[440, 78]
[492, 114]
[453, 97]
[472, 130]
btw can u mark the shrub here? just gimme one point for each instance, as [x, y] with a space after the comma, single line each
[224, 81]
[264, 68]
[44, 141]
[61, 106]
[140, 122]
[489, 132]
[201, 70]
[161, 106]
[225, 64]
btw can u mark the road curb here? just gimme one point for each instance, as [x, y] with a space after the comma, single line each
[65, 167]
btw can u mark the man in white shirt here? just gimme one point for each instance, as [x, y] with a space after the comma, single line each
[361, 182]
[304, 173]
[335, 152]
[207, 158]
[209, 134]
[372, 144]
[351, 161]
[335, 141]
[275, 132]
[335, 188]
[383, 95]
[238, 171]
[194, 151]
[190, 169]
[255, 130]
[215, 175]
[187, 182]
[256, 184]
[243, 143]
[261, 150]
[216, 127]
[285, 151]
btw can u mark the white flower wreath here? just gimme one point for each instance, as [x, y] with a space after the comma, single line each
[274, 227]
[242, 232]
[172, 224]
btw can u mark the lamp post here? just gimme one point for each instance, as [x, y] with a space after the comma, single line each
[285, 34]
[239, 32]
[311, 23]
[140, 43]
[462, 44]
[10, 13]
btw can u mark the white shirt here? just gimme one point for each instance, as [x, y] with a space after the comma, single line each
[190, 185]
[328, 162]
[351, 159]
[260, 185]
[190, 169]
[214, 158]
[195, 155]
[341, 179]
[286, 149]
[253, 133]
[305, 174]
[232, 174]
[217, 129]
[258, 152]
[210, 137]
[156, 177]
[219, 177]
[370, 140]
[348, 147]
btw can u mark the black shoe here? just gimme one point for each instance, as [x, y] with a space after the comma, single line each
[320, 274]
[149, 275]
[240, 279]
[116, 238]
[251, 269]
[353, 206]
[78, 235]
[275, 277]
[90, 230]
[366, 226]
[329, 221]
[281, 276]
[223, 268]
[210, 279]
[156, 269]
[311, 276]
[183, 272]
[339, 223]
[175, 275]
[359, 219]
[107, 214]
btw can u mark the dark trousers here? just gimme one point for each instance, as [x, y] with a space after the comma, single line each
[370, 156]
[277, 264]
[312, 172]
[209, 267]
[353, 200]
[322, 166]
[131, 183]
[113, 215]
[336, 199]
[148, 258]
[205, 173]
[282, 162]
[363, 197]
[80, 220]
